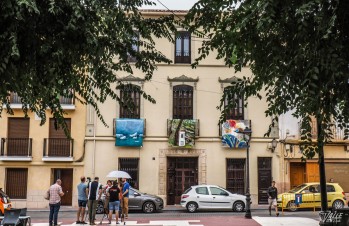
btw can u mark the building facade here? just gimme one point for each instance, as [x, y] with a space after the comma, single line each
[180, 142]
[295, 171]
[33, 156]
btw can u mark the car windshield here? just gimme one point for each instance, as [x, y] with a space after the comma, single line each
[299, 187]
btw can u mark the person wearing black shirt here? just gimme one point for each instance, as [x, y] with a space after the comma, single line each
[94, 191]
[272, 196]
[114, 201]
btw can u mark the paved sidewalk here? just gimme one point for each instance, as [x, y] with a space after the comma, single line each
[285, 221]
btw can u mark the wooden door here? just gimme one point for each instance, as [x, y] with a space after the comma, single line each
[58, 144]
[18, 137]
[181, 174]
[66, 176]
[264, 179]
[312, 172]
[297, 174]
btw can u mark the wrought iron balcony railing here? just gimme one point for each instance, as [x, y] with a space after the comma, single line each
[337, 133]
[16, 147]
[58, 147]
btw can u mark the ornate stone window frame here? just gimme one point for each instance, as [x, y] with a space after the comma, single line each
[227, 82]
[183, 80]
[130, 79]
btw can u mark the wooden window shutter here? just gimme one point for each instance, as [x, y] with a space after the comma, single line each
[16, 183]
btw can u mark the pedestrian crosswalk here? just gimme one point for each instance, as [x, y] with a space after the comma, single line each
[135, 223]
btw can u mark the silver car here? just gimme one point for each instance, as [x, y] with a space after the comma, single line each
[139, 201]
[211, 197]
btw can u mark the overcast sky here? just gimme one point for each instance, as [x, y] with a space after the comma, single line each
[172, 4]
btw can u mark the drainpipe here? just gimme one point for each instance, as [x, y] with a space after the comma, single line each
[94, 144]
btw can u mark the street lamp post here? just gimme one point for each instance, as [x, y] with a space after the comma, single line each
[247, 137]
[248, 195]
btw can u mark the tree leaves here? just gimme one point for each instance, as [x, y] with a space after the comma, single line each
[48, 47]
[297, 51]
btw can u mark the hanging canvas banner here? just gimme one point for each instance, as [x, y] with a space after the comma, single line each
[233, 133]
[129, 132]
[181, 132]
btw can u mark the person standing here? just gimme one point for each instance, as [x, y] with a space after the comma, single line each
[94, 194]
[82, 201]
[272, 196]
[125, 195]
[55, 201]
[105, 192]
[114, 202]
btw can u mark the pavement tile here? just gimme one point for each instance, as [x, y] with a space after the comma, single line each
[285, 221]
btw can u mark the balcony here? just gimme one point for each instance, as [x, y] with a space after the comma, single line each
[58, 150]
[337, 133]
[182, 132]
[16, 149]
[68, 103]
[15, 101]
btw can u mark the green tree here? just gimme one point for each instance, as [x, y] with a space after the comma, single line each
[298, 52]
[50, 47]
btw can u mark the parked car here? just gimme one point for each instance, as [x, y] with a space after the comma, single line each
[211, 197]
[5, 202]
[311, 196]
[139, 201]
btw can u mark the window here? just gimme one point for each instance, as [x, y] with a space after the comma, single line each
[58, 143]
[202, 191]
[236, 175]
[182, 54]
[135, 47]
[183, 102]
[18, 137]
[130, 95]
[217, 191]
[236, 111]
[16, 183]
[130, 165]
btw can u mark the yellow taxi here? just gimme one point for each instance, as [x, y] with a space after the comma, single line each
[307, 195]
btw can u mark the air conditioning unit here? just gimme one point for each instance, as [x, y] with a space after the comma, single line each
[181, 139]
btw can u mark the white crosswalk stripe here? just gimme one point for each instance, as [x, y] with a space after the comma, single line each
[135, 223]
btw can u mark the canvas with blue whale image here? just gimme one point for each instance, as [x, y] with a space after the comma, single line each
[129, 132]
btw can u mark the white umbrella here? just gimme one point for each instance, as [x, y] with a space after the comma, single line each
[119, 174]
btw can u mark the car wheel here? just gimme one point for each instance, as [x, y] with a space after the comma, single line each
[192, 207]
[292, 206]
[148, 207]
[238, 206]
[100, 208]
[337, 204]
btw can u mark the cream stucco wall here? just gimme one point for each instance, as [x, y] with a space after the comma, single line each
[40, 173]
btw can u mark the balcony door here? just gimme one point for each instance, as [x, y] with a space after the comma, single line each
[58, 143]
[18, 137]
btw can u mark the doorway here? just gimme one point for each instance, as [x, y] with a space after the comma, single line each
[264, 179]
[181, 174]
[297, 174]
[66, 176]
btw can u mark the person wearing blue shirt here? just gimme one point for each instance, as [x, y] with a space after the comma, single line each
[82, 201]
[125, 195]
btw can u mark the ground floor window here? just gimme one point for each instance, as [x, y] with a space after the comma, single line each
[236, 175]
[131, 166]
[16, 183]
